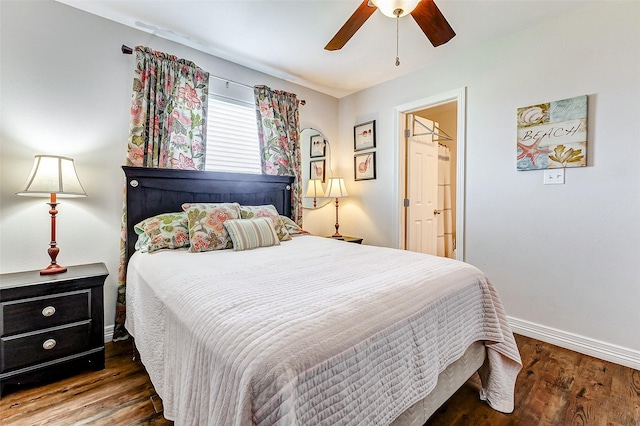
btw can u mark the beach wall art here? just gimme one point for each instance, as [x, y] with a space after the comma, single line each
[553, 135]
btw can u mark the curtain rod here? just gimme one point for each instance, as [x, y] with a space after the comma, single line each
[126, 50]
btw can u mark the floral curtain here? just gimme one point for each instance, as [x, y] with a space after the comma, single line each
[278, 130]
[167, 130]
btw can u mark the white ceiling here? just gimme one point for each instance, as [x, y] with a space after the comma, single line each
[286, 38]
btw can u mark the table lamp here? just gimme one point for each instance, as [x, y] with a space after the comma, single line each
[314, 190]
[53, 176]
[336, 189]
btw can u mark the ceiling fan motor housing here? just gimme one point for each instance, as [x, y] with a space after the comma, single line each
[396, 8]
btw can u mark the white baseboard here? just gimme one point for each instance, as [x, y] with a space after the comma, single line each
[108, 333]
[584, 345]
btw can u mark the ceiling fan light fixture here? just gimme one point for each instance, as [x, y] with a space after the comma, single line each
[390, 8]
[425, 12]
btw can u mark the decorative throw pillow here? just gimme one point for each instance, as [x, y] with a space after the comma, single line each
[164, 231]
[142, 243]
[250, 212]
[252, 233]
[206, 225]
[292, 227]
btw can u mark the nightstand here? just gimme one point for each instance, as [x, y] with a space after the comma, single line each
[349, 239]
[51, 325]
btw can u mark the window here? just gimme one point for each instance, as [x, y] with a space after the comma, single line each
[232, 136]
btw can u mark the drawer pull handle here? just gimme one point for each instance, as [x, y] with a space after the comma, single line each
[48, 311]
[49, 344]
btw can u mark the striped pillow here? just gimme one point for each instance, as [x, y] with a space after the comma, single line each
[252, 233]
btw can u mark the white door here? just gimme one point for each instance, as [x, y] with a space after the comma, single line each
[422, 188]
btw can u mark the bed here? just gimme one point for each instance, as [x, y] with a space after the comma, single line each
[309, 331]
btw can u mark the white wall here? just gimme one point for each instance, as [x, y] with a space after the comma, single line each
[563, 257]
[66, 90]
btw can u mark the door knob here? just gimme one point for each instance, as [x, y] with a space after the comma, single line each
[435, 212]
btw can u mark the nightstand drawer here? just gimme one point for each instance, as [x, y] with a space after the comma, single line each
[44, 312]
[27, 349]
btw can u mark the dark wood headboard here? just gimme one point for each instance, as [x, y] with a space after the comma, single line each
[153, 191]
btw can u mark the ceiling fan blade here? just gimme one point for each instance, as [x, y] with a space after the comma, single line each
[432, 23]
[350, 27]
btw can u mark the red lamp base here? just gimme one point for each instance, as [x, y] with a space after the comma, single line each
[53, 249]
[54, 268]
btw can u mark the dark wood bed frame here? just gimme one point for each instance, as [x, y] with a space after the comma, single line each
[153, 191]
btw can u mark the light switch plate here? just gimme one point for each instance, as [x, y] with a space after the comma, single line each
[554, 177]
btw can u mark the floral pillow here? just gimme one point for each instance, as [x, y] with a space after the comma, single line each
[164, 231]
[292, 227]
[269, 211]
[142, 243]
[248, 234]
[206, 225]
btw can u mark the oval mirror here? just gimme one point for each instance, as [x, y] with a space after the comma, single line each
[316, 164]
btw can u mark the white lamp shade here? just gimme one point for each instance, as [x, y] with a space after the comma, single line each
[52, 175]
[314, 189]
[336, 188]
[388, 7]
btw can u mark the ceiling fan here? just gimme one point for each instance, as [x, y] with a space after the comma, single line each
[424, 12]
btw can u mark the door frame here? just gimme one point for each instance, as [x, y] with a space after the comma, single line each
[400, 112]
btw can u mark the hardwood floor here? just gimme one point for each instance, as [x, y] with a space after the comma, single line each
[555, 387]
[118, 395]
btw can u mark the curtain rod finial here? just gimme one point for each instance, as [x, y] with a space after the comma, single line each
[126, 50]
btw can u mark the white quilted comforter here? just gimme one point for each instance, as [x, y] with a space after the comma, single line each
[311, 332]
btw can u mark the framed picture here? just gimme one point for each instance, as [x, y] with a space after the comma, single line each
[364, 136]
[553, 135]
[364, 166]
[318, 146]
[316, 170]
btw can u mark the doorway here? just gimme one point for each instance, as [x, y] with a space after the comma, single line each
[447, 110]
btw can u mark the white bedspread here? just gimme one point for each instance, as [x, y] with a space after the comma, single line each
[311, 332]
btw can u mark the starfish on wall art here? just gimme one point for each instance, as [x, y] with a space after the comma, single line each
[532, 152]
